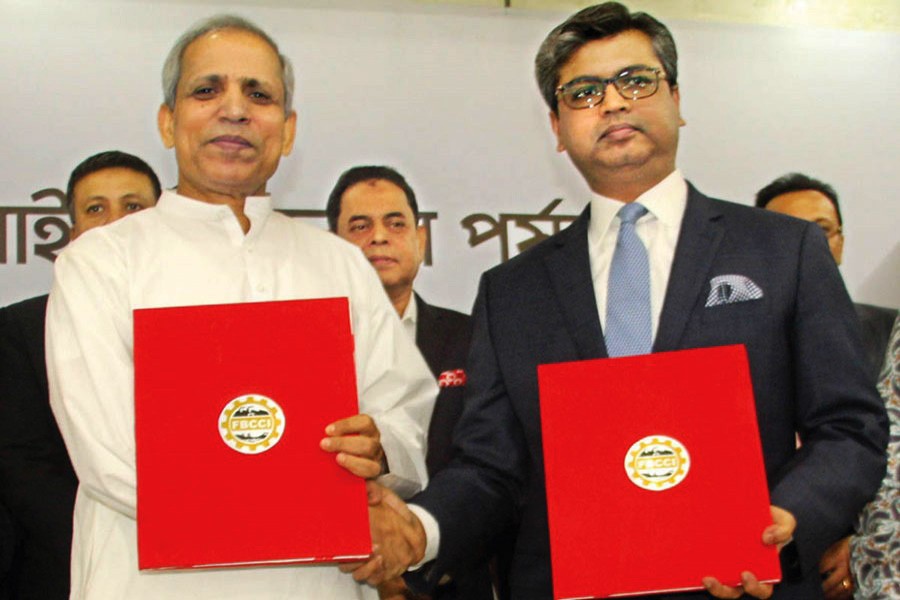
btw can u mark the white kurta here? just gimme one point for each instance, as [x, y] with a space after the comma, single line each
[185, 252]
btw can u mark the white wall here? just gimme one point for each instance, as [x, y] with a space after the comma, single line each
[447, 96]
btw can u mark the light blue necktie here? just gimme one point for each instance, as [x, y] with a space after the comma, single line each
[628, 326]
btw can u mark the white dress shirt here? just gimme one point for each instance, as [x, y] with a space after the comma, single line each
[658, 230]
[186, 252]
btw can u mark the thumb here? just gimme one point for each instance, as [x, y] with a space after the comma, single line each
[374, 492]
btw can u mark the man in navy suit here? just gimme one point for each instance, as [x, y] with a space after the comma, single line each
[805, 197]
[808, 198]
[375, 208]
[37, 482]
[719, 273]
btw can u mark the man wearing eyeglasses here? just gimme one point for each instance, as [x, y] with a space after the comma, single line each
[714, 273]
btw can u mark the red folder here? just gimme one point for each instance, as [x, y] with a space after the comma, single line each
[231, 402]
[667, 487]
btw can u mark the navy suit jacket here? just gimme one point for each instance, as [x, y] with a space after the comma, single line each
[443, 338]
[37, 482]
[806, 362]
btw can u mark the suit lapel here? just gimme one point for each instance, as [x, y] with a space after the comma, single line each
[701, 234]
[569, 270]
[426, 323]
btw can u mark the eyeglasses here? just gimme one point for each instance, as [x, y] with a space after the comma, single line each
[588, 91]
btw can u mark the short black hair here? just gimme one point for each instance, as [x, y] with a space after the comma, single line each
[595, 23]
[798, 182]
[110, 159]
[355, 175]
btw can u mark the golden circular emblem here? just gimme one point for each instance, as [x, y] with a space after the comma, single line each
[251, 424]
[657, 463]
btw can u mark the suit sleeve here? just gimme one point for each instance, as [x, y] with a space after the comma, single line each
[37, 484]
[841, 422]
[477, 494]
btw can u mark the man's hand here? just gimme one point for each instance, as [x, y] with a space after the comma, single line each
[837, 582]
[779, 533]
[357, 442]
[398, 539]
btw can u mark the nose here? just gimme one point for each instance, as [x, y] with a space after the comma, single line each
[114, 213]
[379, 234]
[234, 105]
[613, 101]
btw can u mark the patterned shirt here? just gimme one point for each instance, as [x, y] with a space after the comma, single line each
[875, 550]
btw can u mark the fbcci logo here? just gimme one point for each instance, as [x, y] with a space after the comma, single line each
[251, 424]
[657, 463]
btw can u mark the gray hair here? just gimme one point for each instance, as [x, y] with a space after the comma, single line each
[593, 23]
[171, 72]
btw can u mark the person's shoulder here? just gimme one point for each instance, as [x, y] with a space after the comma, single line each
[876, 314]
[449, 315]
[754, 229]
[312, 236]
[25, 312]
[110, 240]
[534, 257]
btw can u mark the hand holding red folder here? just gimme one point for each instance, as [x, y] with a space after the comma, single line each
[357, 442]
[778, 533]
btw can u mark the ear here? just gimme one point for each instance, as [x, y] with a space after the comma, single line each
[837, 248]
[554, 125]
[289, 133]
[422, 241]
[676, 96]
[75, 231]
[165, 122]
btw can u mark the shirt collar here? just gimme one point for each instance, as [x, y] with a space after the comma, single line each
[411, 314]
[666, 201]
[257, 208]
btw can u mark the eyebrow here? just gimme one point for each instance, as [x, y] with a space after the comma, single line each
[617, 73]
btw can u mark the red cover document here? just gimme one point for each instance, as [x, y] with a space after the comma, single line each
[231, 402]
[654, 472]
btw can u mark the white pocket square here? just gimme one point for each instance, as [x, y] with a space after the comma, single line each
[728, 289]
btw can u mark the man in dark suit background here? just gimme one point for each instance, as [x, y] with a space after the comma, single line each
[799, 195]
[37, 482]
[719, 273]
[375, 208]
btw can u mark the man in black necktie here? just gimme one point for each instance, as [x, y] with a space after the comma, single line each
[610, 80]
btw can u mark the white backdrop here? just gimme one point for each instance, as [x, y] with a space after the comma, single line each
[447, 96]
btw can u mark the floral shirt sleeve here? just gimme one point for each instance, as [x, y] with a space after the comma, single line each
[875, 549]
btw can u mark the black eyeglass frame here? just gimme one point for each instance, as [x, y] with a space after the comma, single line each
[636, 93]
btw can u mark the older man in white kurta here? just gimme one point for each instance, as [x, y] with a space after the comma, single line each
[216, 241]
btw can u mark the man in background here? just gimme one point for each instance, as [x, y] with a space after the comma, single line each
[216, 239]
[810, 199]
[375, 208]
[654, 265]
[804, 197]
[37, 482]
